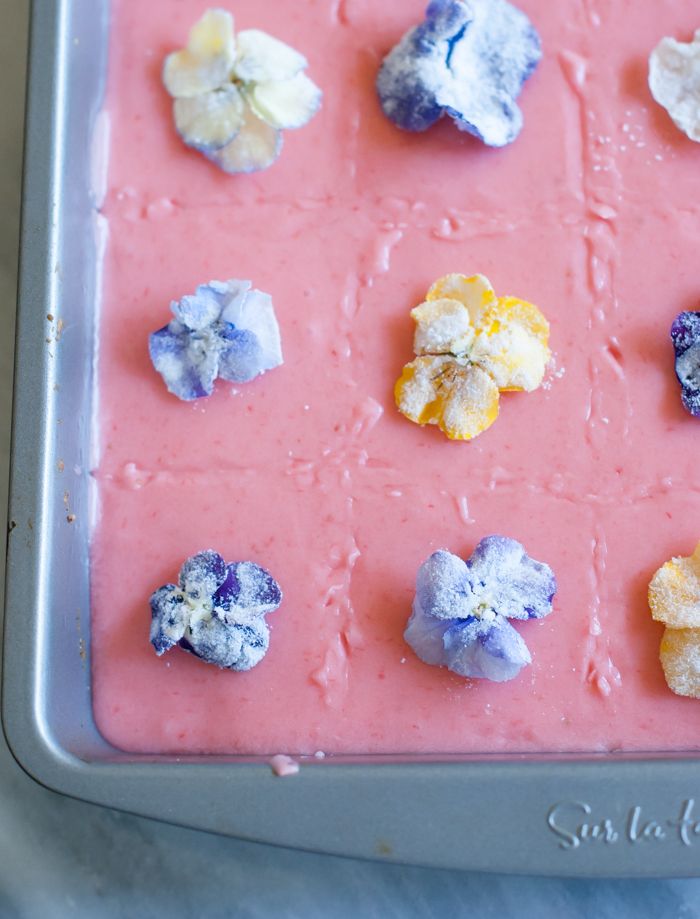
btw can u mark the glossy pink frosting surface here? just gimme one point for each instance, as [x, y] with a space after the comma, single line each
[592, 214]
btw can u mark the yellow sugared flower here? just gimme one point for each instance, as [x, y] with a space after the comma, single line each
[674, 599]
[470, 346]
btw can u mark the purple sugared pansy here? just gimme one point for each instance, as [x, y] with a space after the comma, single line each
[461, 609]
[685, 335]
[225, 329]
[468, 59]
[216, 611]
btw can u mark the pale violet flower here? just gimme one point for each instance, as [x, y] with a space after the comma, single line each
[225, 329]
[461, 609]
[235, 94]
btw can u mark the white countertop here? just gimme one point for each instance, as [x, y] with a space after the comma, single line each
[61, 857]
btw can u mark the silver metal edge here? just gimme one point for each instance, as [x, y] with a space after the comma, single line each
[479, 815]
[26, 510]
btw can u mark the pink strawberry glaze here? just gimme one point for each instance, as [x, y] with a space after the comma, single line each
[591, 214]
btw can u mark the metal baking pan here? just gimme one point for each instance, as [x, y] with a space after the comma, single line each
[593, 816]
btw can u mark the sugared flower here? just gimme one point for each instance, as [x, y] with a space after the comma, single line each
[461, 609]
[685, 335]
[674, 81]
[216, 611]
[469, 59]
[225, 329]
[470, 347]
[674, 599]
[234, 95]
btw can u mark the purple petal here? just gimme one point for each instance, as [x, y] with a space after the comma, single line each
[506, 580]
[483, 649]
[413, 71]
[468, 60]
[478, 648]
[255, 313]
[232, 646]
[187, 368]
[199, 310]
[425, 635]
[240, 361]
[202, 574]
[247, 593]
[685, 334]
[443, 586]
[169, 617]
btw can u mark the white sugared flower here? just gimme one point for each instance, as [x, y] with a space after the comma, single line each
[674, 80]
[234, 95]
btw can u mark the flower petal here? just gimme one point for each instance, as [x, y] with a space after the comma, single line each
[512, 344]
[483, 649]
[477, 648]
[425, 635]
[188, 367]
[674, 80]
[241, 360]
[210, 120]
[488, 67]
[212, 35]
[680, 658]
[255, 313]
[685, 334]
[231, 646]
[674, 592]
[413, 71]
[198, 311]
[202, 574]
[442, 327]
[443, 587]
[169, 617]
[206, 63]
[262, 58]
[248, 592]
[459, 397]
[286, 103]
[475, 292]
[506, 580]
[255, 147]
[468, 60]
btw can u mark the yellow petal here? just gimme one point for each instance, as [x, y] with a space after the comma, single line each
[457, 396]
[511, 344]
[442, 327]
[474, 292]
[206, 63]
[212, 36]
[674, 592]
[680, 658]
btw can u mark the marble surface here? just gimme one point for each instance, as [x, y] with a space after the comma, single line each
[60, 857]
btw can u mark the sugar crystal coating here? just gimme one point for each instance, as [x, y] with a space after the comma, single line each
[674, 599]
[685, 335]
[461, 609]
[471, 345]
[225, 329]
[216, 611]
[680, 659]
[674, 592]
[468, 59]
[210, 120]
[233, 95]
[674, 81]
